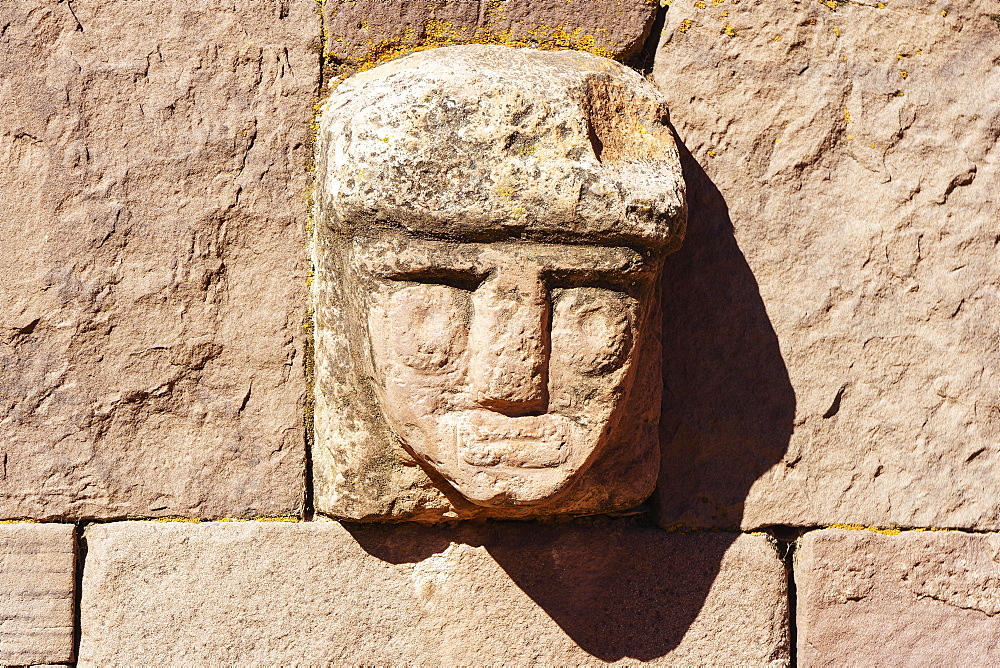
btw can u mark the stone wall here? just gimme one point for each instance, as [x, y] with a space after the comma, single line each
[830, 430]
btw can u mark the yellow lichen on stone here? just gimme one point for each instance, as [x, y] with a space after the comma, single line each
[685, 25]
[261, 518]
[677, 528]
[729, 30]
[887, 531]
[686, 529]
[442, 33]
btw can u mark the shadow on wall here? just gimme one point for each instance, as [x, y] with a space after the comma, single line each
[618, 589]
[728, 404]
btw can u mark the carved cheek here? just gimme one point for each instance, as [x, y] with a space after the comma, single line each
[421, 327]
[591, 330]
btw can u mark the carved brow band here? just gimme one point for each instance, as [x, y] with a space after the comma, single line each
[476, 261]
[470, 282]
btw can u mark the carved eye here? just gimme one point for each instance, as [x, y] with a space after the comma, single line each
[425, 326]
[592, 329]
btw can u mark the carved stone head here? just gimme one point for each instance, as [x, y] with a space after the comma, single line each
[490, 227]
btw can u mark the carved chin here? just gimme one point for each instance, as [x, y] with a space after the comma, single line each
[496, 460]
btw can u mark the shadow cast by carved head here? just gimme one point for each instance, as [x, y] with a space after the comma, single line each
[617, 588]
[491, 225]
[728, 403]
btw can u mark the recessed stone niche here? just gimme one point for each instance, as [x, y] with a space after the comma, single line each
[490, 228]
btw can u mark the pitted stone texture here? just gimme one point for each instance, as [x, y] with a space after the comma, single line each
[912, 599]
[153, 169]
[366, 31]
[490, 224]
[853, 162]
[37, 582]
[486, 142]
[510, 594]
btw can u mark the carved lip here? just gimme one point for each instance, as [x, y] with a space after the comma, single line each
[487, 439]
[517, 454]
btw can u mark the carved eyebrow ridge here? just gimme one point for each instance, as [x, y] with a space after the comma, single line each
[462, 280]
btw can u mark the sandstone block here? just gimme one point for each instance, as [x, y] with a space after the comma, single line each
[153, 169]
[912, 599]
[831, 319]
[490, 227]
[370, 31]
[511, 594]
[37, 583]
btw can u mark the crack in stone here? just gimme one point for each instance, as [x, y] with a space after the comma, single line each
[955, 605]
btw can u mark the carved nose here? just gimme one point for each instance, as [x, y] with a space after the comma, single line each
[509, 337]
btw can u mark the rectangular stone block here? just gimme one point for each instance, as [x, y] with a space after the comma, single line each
[831, 320]
[37, 583]
[371, 31]
[495, 594]
[153, 164]
[912, 599]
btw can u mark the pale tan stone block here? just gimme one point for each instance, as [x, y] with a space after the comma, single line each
[498, 594]
[37, 584]
[153, 160]
[912, 599]
[832, 317]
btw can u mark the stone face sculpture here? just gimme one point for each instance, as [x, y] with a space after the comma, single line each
[490, 227]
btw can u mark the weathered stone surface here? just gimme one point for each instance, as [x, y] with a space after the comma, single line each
[360, 32]
[912, 599]
[511, 594]
[153, 164]
[37, 582]
[490, 226]
[843, 186]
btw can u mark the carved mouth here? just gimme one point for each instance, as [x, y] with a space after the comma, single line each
[487, 439]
